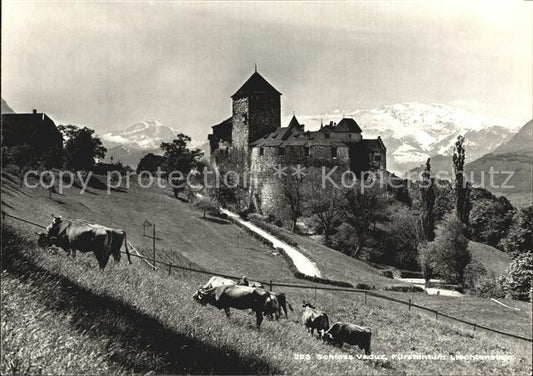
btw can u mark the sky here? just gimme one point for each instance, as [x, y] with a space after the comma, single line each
[108, 65]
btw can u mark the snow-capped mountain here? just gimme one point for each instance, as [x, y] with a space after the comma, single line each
[131, 144]
[412, 132]
[145, 135]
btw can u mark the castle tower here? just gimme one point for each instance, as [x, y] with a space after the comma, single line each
[256, 111]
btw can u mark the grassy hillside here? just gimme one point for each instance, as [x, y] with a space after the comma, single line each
[493, 259]
[131, 319]
[143, 321]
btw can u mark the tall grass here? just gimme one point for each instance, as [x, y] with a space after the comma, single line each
[132, 319]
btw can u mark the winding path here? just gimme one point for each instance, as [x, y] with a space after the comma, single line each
[302, 263]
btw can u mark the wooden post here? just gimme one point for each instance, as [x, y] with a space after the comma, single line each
[315, 294]
[409, 304]
[475, 327]
[270, 285]
[153, 241]
[436, 315]
[365, 297]
[169, 269]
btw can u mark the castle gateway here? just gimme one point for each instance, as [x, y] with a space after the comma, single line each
[255, 127]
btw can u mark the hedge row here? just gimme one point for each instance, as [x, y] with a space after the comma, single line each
[300, 275]
[408, 274]
[404, 288]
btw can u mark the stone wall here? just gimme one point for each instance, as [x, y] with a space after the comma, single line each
[267, 185]
[240, 131]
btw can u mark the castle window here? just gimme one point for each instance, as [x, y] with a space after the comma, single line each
[334, 152]
[245, 118]
[327, 135]
[281, 151]
[261, 151]
[377, 158]
[307, 151]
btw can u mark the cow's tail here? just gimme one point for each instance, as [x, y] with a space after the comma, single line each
[126, 246]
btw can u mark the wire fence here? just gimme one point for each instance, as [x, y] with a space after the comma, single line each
[169, 266]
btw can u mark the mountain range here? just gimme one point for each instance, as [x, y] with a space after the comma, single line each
[413, 132]
[131, 144]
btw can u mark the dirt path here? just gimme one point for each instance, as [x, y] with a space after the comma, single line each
[302, 263]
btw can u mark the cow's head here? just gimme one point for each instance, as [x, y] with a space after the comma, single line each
[55, 221]
[199, 296]
[327, 337]
[307, 304]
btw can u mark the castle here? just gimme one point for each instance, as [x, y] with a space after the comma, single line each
[255, 127]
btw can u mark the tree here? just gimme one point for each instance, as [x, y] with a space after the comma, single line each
[490, 218]
[520, 237]
[451, 253]
[82, 147]
[292, 192]
[403, 238]
[233, 178]
[426, 259]
[178, 156]
[207, 205]
[427, 198]
[462, 188]
[151, 162]
[519, 282]
[324, 203]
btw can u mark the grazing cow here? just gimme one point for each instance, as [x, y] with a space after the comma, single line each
[352, 334]
[217, 281]
[235, 296]
[279, 302]
[77, 235]
[244, 282]
[313, 319]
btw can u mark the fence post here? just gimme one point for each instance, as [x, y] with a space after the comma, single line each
[475, 327]
[436, 314]
[153, 241]
[365, 297]
[169, 269]
[270, 285]
[409, 304]
[315, 294]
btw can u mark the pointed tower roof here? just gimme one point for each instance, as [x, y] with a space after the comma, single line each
[255, 84]
[294, 122]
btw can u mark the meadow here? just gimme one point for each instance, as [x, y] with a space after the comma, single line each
[66, 316]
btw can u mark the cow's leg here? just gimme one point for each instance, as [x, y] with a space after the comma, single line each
[227, 312]
[259, 318]
[102, 259]
[312, 332]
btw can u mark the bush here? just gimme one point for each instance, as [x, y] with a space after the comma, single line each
[520, 277]
[404, 288]
[207, 205]
[480, 283]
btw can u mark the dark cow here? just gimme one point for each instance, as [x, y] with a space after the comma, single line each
[217, 281]
[78, 235]
[234, 296]
[244, 282]
[352, 334]
[279, 302]
[313, 319]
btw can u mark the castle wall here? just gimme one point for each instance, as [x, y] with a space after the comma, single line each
[268, 186]
[240, 120]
